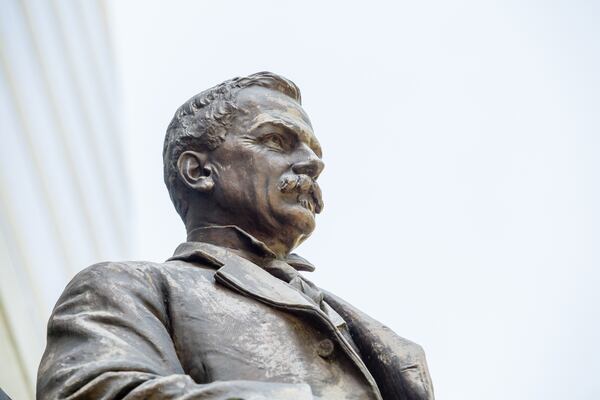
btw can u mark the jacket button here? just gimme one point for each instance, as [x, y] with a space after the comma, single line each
[325, 348]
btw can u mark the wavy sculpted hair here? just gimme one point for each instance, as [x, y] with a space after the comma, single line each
[203, 121]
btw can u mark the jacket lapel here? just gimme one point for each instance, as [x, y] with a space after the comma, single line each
[243, 276]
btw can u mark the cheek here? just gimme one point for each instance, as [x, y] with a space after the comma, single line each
[267, 173]
[253, 175]
[255, 189]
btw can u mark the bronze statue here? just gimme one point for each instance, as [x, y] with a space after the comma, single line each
[228, 316]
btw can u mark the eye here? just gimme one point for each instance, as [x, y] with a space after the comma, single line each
[275, 141]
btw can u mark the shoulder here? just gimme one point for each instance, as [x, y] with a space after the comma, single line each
[108, 289]
[109, 281]
[108, 274]
[135, 278]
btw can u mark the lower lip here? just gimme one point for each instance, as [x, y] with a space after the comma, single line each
[307, 209]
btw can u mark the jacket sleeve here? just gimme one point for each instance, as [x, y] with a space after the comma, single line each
[398, 365]
[109, 338]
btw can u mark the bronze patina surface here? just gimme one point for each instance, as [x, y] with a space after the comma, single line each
[228, 316]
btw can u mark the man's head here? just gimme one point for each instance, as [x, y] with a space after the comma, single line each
[243, 153]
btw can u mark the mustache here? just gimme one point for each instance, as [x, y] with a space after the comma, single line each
[309, 192]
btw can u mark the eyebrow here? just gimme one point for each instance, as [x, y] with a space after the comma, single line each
[295, 129]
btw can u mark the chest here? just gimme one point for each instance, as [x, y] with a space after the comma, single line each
[222, 335]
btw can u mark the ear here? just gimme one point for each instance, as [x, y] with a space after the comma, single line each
[195, 171]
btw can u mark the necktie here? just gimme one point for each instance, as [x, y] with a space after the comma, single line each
[287, 273]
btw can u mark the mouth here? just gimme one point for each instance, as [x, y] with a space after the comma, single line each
[308, 193]
[307, 203]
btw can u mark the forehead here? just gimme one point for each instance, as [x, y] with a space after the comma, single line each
[257, 102]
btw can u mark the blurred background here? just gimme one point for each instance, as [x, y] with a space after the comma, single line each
[461, 138]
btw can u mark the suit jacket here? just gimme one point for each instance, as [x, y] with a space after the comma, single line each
[208, 324]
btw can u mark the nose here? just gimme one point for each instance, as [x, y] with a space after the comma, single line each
[312, 166]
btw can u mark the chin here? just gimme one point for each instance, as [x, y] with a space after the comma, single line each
[302, 219]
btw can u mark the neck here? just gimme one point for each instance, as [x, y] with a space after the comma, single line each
[245, 245]
[281, 248]
[236, 239]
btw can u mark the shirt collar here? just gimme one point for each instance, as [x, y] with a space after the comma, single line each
[240, 242]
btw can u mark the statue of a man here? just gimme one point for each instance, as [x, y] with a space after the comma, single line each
[228, 316]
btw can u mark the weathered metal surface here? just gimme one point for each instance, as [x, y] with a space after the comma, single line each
[228, 316]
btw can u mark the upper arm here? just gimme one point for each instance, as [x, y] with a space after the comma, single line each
[111, 318]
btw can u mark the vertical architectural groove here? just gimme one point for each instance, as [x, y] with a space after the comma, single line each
[63, 190]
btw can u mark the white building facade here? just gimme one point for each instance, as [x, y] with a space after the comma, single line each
[64, 200]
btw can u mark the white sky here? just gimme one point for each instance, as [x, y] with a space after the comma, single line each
[462, 183]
